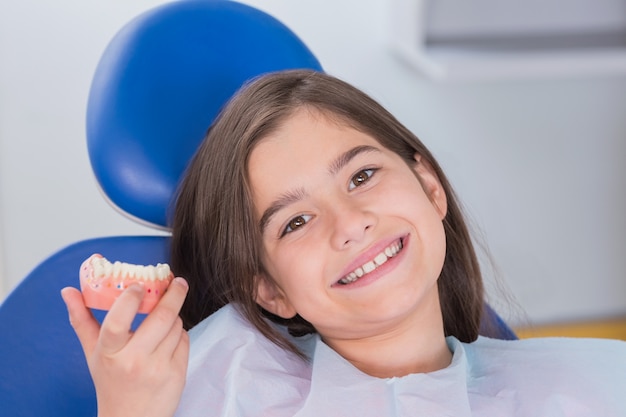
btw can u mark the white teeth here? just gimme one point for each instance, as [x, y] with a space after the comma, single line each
[369, 267]
[389, 252]
[102, 267]
[381, 259]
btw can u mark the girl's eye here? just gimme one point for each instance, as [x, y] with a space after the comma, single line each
[296, 223]
[361, 178]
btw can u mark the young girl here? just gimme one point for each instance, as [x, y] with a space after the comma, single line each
[332, 274]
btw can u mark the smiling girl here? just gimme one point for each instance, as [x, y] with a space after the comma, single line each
[331, 273]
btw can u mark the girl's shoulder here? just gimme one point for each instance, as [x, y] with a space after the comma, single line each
[582, 351]
[570, 372]
[227, 328]
[228, 358]
[549, 354]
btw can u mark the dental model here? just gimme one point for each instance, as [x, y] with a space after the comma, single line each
[101, 282]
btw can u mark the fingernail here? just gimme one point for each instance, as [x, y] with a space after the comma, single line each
[136, 287]
[63, 294]
[182, 282]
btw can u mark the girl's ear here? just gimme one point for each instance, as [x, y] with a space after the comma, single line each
[431, 184]
[272, 298]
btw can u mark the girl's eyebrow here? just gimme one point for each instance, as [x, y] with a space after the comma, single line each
[294, 196]
[283, 201]
[342, 160]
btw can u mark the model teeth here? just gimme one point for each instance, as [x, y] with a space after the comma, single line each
[389, 252]
[103, 268]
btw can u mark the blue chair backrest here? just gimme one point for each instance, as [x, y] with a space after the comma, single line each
[161, 82]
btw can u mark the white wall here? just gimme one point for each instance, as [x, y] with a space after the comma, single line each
[538, 162]
[48, 53]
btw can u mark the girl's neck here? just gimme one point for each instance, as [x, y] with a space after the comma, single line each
[417, 346]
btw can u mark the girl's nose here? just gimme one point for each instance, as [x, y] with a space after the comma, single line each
[351, 223]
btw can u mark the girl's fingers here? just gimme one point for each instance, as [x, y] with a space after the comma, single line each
[180, 356]
[158, 324]
[116, 327]
[85, 325]
[170, 342]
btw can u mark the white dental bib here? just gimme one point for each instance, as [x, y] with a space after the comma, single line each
[235, 371]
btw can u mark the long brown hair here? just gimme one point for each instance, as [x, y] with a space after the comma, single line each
[216, 242]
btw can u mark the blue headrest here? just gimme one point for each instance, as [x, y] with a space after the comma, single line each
[160, 83]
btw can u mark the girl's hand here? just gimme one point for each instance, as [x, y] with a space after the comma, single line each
[139, 373]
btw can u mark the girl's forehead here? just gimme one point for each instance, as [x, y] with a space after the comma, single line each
[302, 123]
[311, 114]
[312, 132]
[306, 148]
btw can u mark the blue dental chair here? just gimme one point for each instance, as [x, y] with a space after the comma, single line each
[158, 86]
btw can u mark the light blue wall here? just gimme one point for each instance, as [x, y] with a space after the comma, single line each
[538, 162]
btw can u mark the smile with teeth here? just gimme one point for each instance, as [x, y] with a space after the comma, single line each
[389, 252]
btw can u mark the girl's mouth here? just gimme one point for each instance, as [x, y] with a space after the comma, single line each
[389, 252]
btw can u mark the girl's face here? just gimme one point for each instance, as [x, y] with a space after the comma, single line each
[353, 237]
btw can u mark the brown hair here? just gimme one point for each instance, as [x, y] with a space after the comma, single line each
[216, 238]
